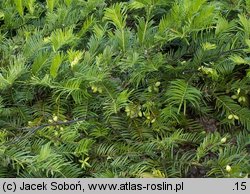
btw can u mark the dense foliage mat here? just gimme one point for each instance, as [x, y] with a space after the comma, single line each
[140, 88]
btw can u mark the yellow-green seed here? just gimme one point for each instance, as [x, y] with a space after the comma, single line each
[236, 117]
[50, 121]
[152, 121]
[234, 97]
[157, 84]
[223, 140]
[228, 168]
[240, 99]
[55, 118]
[230, 117]
[94, 89]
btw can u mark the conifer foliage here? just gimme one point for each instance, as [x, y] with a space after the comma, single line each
[139, 88]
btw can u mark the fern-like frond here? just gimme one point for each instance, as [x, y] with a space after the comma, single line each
[233, 111]
[61, 37]
[181, 94]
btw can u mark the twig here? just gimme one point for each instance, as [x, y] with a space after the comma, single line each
[33, 130]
